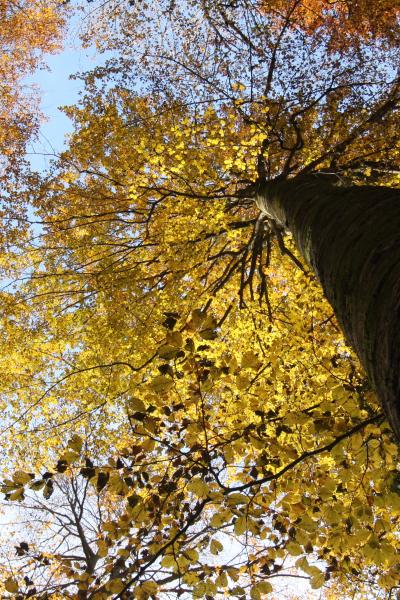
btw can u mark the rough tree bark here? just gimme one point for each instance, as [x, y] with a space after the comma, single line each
[350, 236]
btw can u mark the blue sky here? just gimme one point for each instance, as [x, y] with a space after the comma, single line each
[57, 89]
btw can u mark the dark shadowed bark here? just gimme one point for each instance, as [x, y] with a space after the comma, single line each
[351, 238]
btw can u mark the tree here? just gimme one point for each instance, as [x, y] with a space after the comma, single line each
[330, 116]
[344, 22]
[176, 353]
[67, 521]
[348, 236]
[28, 30]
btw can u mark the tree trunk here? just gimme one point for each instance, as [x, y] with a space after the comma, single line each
[350, 236]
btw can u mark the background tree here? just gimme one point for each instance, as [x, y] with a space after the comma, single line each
[28, 30]
[345, 22]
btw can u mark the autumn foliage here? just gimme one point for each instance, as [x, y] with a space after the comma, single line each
[347, 22]
[27, 31]
[181, 414]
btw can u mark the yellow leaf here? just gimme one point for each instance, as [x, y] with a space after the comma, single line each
[250, 361]
[198, 487]
[240, 525]
[209, 323]
[261, 588]
[220, 518]
[161, 384]
[20, 477]
[221, 580]
[149, 588]
[17, 495]
[264, 587]
[102, 548]
[216, 547]
[167, 352]
[317, 581]
[69, 456]
[198, 317]
[37, 485]
[116, 484]
[302, 563]
[191, 554]
[136, 404]
[190, 577]
[233, 573]
[208, 334]
[302, 537]
[257, 443]
[200, 590]
[174, 338]
[294, 549]
[115, 586]
[76, 443]
[168, 561]
[237, 498]
[11, 585]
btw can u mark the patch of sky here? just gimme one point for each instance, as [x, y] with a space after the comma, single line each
[57, 88]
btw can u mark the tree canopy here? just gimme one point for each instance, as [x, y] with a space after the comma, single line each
[28, 30]
[182, 415]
